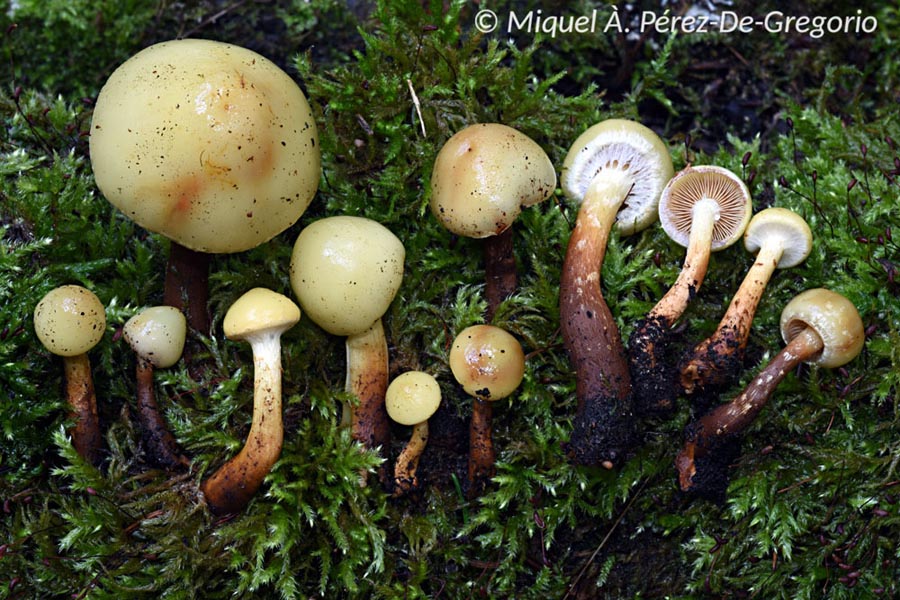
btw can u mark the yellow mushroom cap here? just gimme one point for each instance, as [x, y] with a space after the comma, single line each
[260, 311]
[783, 227]
[619, 148]
[484, 175]
[412, 397]
[206, 143]
[69, 320]
[487, 361]
[346, 271]
[157, 335]
[705, 187]
[833, 318]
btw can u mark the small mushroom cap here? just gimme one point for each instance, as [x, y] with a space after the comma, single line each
[834, 319]
[484, 175]
[206, 143]
[780, 226]
[705, 187]
[619, 148]
[260, 311]
[157, 335]
[412, 398]
[346, 271]
[487, 361]
[69, 320]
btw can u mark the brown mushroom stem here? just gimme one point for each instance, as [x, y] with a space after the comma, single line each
[159, 444]
[704, 436]
[653, 390]
[230, 488]
[367, 379]
[715, 361]
[499, 270]
[187, 286]
[82, 401]
[408, 461]
[601, 431]
[481, 446]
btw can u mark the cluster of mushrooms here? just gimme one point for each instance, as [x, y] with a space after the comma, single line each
[215, 148]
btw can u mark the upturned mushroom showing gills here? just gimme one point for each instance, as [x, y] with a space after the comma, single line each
[69, 321]
[345, 271]
[259, 317]
[616, 170]
[488, 362]
[781, 239]
[820, 327]
[208, 144]
[411, 399]
[157, 337]
[482, 178]
[705, 209]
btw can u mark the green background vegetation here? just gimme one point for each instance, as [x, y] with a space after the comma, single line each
[812, 508]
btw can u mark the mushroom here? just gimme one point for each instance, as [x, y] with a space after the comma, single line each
[781, 239]
[705, 209]
[482, 178]
[208, 144]
[820, 327]
[411, 399]
[69, 321]
[157, 337]
[617, 170]
[259, 317]
[489, 364]
[345, 271]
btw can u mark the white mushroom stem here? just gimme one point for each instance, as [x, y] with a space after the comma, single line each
[231, 487]
[711, 360]
[603, 383]
[408, 461]
[82, 401]
[367, 379]
[671, 306]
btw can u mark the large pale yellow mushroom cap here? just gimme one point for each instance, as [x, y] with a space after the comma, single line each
[346, 271]
[69, 320]
[206, 143]
[484, 175]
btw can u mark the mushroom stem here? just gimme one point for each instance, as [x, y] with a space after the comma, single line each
[499, 270]
[230, 488]
[603, 385]
[187, 286]
[714, 361]
[408, 461]
[82, 401]
[732, 418]
[481, 446]
[159, 443]
[653, 391]
[367, 379]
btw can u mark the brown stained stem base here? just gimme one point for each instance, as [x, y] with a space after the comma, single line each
[603, 428]
[160, 446]
[652, 373]
[481, 447]
[500, 275]
[710, 432]
[367, 379]
[82, 399]
[407, 463]
[187, 285]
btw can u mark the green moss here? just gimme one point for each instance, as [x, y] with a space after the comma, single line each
[813, 493]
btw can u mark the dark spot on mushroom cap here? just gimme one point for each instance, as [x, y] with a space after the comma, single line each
[483, 393]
